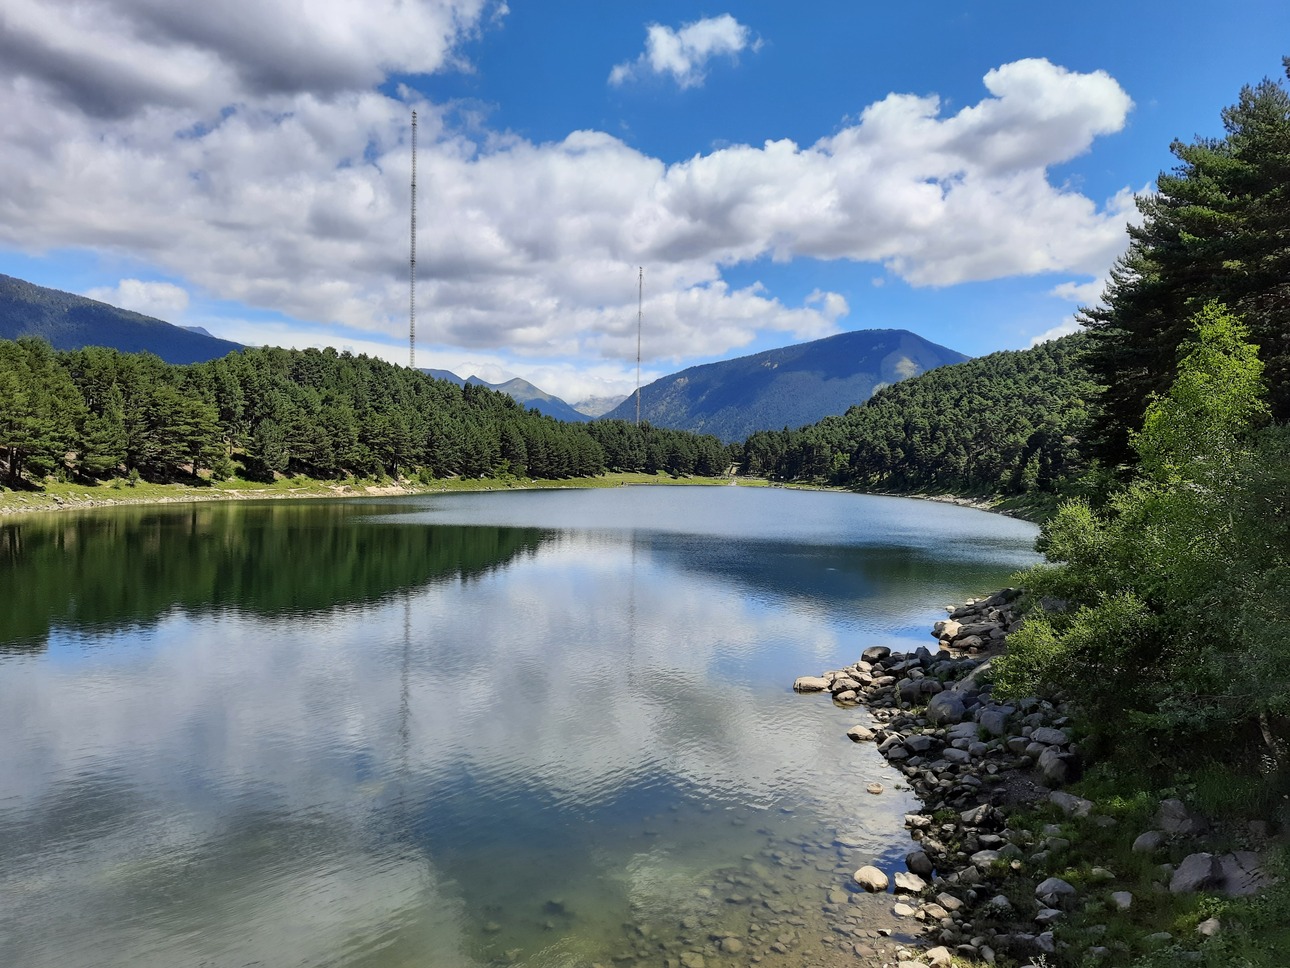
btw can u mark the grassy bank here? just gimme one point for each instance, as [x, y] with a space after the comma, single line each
[55, 495]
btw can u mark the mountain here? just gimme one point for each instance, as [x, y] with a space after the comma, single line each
[69, 322]
[526, 394]
[443, 375]
[786, 387]
[599, 406]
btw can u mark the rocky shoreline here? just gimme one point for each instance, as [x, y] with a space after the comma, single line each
[980, 885]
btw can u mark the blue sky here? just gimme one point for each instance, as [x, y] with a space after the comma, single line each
[781, 171]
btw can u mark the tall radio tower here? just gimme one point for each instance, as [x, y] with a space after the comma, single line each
[412, 258]
[640, 294]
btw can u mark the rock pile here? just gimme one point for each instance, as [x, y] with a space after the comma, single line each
[970, 759]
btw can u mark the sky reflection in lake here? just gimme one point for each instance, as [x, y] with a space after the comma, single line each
[506, 758]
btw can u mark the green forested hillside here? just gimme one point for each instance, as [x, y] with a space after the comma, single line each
[95, 413]
[67, 322]
[1009, 422]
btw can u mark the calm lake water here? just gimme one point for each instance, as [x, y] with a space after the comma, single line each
[536, 728]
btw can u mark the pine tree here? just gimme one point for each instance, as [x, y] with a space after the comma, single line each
[1217, 227]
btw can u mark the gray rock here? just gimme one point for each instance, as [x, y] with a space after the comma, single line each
[984, 858]
[918, 862]
[909, 690]
[948, 901]
[1123, 900]
[1053, 889]
[1150, 841]
[875, 653]
[1197, 871]
[870, 878]
[1050, 737]
[1070, 804]
[993, 721]
[859, 734]
[810, 684]
[1174, 818]
[920, 743]
[1239, 874]
[1054, 766]
[909, 883]
[1208, 928]
[938, 957]
[945, 708]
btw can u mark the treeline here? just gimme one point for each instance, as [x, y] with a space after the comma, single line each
[96, 413]
[1010, 422]
[1217, 228]
[1174, 580]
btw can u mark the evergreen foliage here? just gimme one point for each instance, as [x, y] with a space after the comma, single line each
[1176, 589]
[1217, 227]
[1010, 423]
[99, 413]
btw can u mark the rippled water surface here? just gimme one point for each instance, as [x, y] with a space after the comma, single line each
[539, 728]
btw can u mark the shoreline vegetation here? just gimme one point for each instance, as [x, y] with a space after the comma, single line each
[1031, 851]
[59, 496]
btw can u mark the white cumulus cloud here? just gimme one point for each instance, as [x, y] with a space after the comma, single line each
[684, 54]
[266, 168]
[164, 300]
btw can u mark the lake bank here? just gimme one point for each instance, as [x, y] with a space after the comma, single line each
[1008, 861]
[62, 497]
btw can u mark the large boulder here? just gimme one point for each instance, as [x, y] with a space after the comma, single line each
[1050, 736]
[909, 883]
[1149, 841]
[994, 719]
[1173, 817]
[859, 734]
[1239, 874]
[1052, 890]
[870, 878]
[1197, 871]
[919, 863]
[945, 708]
[1055, 767]
[810, 684]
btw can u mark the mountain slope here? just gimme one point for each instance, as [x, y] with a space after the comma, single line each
[1001, 424]
[527, 395]
[786, 387]
[69, 322]
[599, 406]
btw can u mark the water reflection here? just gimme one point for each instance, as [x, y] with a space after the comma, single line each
[593, 730]
[122, 567]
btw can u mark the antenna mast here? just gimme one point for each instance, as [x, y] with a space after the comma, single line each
[412, 258]
[640, 295]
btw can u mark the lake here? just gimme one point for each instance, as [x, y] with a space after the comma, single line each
[526, 727]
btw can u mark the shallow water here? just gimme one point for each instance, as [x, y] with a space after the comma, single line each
[539, 728]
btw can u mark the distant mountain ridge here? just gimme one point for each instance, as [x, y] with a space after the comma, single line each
[69, 322]
[525, 393]
[786, 387]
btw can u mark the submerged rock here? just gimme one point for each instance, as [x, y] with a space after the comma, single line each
[870, 878]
